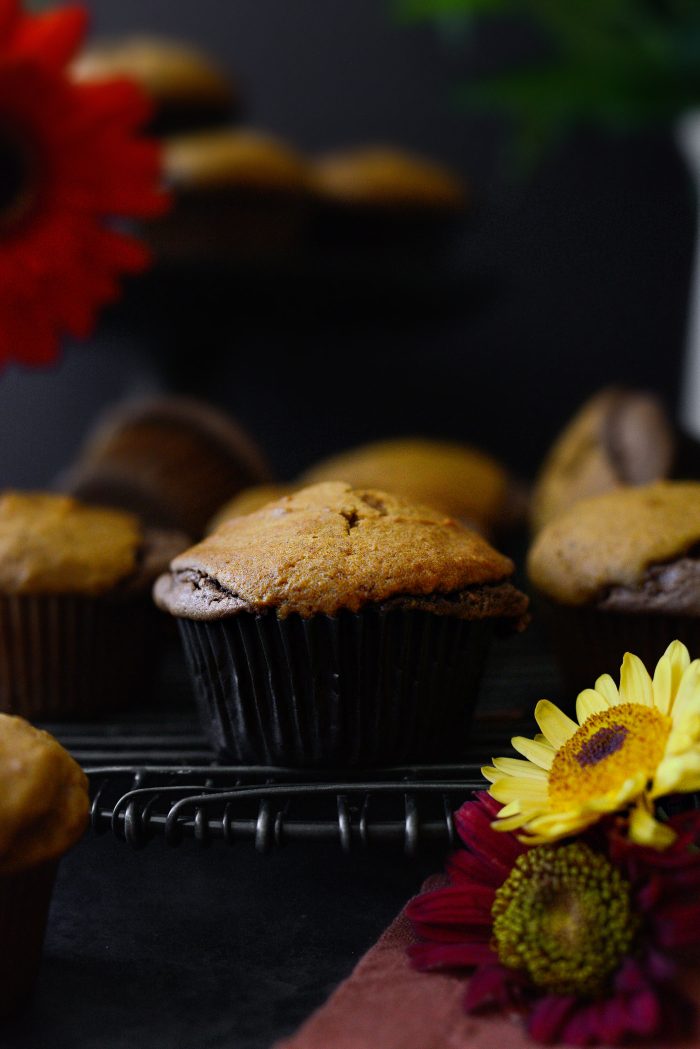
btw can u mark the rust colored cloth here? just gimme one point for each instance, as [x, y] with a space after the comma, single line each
[385, 1004]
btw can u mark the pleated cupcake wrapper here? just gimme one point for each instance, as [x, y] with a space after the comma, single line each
[65, 656]
[24, 907]
[364, 689]
[589, 642]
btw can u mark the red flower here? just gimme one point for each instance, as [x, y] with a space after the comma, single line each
[584, 966]
[70, 159]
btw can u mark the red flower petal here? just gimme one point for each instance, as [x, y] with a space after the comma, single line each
[51, 38]
[9, 14]
[60, 262]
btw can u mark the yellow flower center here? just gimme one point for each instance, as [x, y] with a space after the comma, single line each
[606, 750]
[564, 916]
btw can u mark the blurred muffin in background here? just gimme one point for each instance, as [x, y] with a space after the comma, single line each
[457, 480]
[44, 805]
[172, 460]
[381, 191]
[75, 616]
[187, 88]
[247, 501]
[619, 437]
[238, 195]
[620, 572]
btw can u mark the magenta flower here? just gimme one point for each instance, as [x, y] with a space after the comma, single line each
[583, 938]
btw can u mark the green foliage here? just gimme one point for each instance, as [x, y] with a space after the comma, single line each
[619, 63]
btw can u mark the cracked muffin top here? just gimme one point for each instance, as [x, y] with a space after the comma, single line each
[53, 544]
[330, 547]
[43, 797]
[630, 548]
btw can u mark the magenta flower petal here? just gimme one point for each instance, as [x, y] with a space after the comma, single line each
[494, 985]
[549, 1016]
[644, 1012]
[426, 956]
[454, 907]
[636, 998]
[463, 866]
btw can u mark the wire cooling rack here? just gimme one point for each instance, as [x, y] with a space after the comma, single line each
[161, 779]
[157, 780]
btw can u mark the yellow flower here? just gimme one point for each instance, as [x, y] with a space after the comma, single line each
[631, 746]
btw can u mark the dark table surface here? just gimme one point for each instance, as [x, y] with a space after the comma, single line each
[201, 948]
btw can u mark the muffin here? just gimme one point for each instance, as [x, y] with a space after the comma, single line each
[74, 608]
[172, 460]
[239, 195]
[339, 627]
[620, 572]
[247, 501]
[188, 90]
[44, 808]
[454, 478]
[619, 437]
[386, 197]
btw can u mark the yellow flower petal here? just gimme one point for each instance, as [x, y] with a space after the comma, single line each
[510, 788]
[490, 773]
[663, 685]
[645, 830]
[679, 657]
[516, 767]
[541, 754]
[589, 702]
[511, 823]
[556, 726]
[606, 687]
[688, 689]
[677, 775]
[635, 683]
[513, 809]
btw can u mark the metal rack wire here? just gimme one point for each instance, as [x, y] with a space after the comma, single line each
[148, 784]
[160, 779]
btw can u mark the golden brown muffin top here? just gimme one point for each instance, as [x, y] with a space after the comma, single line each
[242, 158]
[385, 176]
[325, 548]
[43, 797]
[53, 544]
[247, 501]
[610, 540]
[618, 437]
[458, 480]
[171, 71]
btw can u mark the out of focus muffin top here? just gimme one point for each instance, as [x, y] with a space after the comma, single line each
[618, 437]
[53, 544]
[329, 547]
[243, 158]
[454, 478]
[612, 540]
[383, 176]
[43, 797]
[186, 86]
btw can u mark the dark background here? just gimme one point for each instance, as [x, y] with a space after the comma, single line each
[560, 282]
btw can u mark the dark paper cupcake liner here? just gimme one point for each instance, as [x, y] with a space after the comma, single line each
[24, 908]
[65, 656]
[378, 687]
[589, 642]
